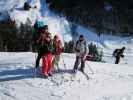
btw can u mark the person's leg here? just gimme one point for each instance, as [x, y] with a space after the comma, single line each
[117, 60]
[77, 62]
[82, 64]
[50, 65]
[40, 54]
[38, 60]
[57, 59]
[55, 62]
[45, 65]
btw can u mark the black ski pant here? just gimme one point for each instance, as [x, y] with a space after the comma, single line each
[78, 61]
[117, 60]
[40, 54]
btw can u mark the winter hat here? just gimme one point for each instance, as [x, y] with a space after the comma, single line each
[81, 36]
[56, 37]
[45, 27]
[123, 48]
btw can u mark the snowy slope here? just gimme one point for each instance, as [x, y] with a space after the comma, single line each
[109, 81]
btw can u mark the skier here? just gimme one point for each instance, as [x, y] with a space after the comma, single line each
[47, 55]
[81, 51]
[46, 52]
[40, 32]
[57, 50]
[118, 53]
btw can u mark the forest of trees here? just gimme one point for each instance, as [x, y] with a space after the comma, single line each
[114, 16]
[21, 38]
[13, 38]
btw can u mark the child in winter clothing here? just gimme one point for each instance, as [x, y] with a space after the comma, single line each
[81, 51]
[57, 50]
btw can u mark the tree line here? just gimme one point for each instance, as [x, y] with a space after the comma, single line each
[106, 16]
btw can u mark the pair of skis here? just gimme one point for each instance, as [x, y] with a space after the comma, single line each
[35, 72]
[84, 73]
[74, 75]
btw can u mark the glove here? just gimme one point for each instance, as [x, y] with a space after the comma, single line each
[77, 50]
[122, 56]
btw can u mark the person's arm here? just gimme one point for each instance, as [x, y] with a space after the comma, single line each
[86, 50]
[85, 53]
[48, 37]
[122, 55]
[39, 39]
[75, 47]
[114, 53]
[60, 46]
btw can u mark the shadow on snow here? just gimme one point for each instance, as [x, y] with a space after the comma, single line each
[19, 74]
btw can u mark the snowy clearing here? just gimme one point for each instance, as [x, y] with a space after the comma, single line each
[109, 81]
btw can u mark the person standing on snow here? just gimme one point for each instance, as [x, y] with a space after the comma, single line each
[41, 31]
[118, 53]
[47, 51]
[57, 50]
[81, 51]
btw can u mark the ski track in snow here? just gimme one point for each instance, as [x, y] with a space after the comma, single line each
[109, 81]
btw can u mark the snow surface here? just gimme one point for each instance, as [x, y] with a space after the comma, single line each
[109, 81]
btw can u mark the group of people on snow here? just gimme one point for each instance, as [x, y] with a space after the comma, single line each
[94, 54]
[50, 50]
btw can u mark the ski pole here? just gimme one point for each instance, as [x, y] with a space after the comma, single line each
[55, 63]
[90, 68]
[35, 69]
[63, 62]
